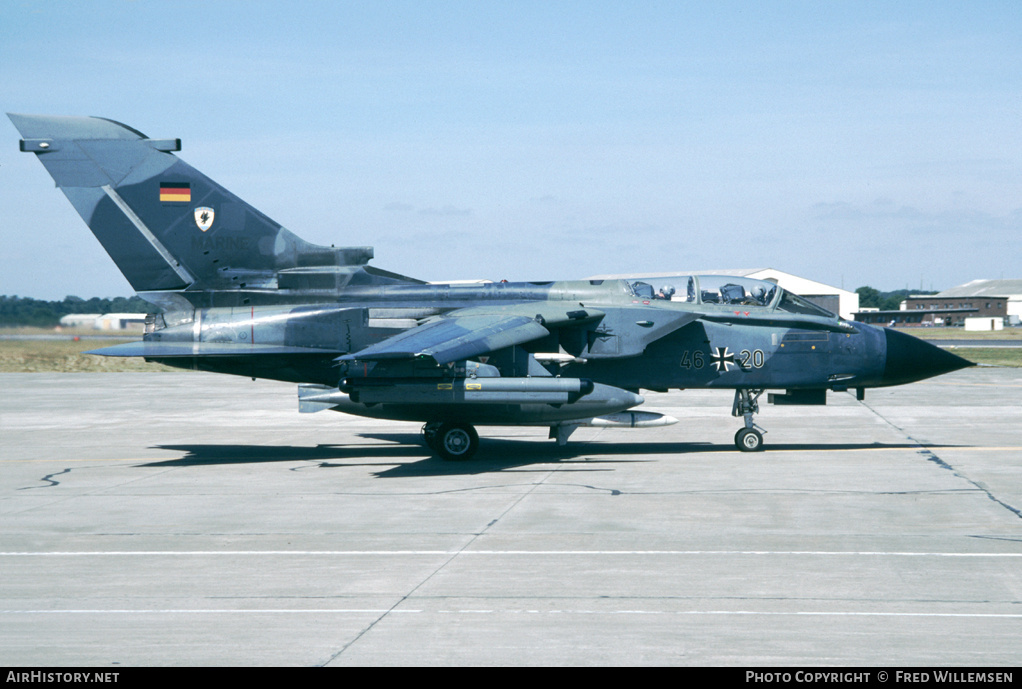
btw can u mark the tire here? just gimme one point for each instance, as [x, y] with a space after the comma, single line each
[456, 442]
[749, 440]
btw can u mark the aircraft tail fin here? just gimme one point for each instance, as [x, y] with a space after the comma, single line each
[165, 224]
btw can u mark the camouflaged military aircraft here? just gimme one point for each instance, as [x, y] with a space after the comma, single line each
[237, 293]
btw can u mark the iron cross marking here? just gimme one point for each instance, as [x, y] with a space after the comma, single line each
[723, 358]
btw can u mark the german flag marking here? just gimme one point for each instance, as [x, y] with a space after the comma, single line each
[175, 192]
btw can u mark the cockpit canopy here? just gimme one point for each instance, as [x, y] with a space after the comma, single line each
[725, 289]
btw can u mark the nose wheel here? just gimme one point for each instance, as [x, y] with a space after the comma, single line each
[750, 438]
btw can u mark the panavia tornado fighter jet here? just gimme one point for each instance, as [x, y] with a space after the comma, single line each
[237, 293]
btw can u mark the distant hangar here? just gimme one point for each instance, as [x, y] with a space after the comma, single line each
[976, 299]
[104, 321]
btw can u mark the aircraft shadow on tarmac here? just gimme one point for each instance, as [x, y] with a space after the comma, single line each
[408, 457]
[405, 456]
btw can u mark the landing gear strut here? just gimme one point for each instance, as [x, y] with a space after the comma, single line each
[452, 441]
[429, 432]
[750, 438]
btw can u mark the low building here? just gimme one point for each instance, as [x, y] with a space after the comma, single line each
[79, 320]
[120, 321]
[104, 321]
[982, 291]
[977, 299]
[984, 324]
[915, 316]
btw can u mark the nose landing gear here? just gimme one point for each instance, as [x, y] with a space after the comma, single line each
[750, 438]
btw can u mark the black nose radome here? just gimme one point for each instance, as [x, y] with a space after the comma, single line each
[910, 359]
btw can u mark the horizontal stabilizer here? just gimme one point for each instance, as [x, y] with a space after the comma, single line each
[163, 350]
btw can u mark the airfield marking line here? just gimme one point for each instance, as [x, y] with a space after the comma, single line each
[980, 385]
[447, 553]
[818, 449]
[69, 461]
[815, 613]
[971, 448]
[198, 611]
[356, 611]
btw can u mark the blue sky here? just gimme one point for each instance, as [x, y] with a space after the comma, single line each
[852, 143]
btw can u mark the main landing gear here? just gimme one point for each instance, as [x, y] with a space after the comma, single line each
[455, 442]
[750, 438]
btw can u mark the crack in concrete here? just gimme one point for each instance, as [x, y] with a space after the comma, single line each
[443, 565]
[49, 478]
[931, 456]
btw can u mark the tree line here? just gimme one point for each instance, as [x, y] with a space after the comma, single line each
[21, 311]
[870, 298]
